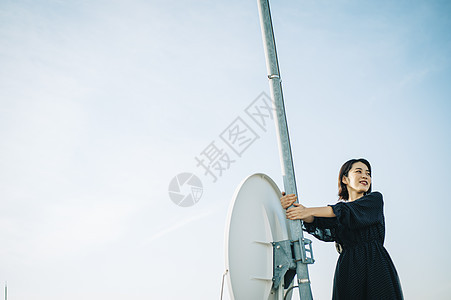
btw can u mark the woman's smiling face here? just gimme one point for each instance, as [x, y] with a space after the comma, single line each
[358, 179]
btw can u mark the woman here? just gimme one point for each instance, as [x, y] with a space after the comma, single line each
[364, 269]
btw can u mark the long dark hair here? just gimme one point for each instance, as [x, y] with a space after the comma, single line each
[342, 189]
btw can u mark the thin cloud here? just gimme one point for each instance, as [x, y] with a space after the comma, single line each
[179, 225]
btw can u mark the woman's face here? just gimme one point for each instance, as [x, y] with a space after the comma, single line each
[358, 179]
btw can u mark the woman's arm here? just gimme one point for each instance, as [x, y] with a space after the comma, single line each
[307, 214]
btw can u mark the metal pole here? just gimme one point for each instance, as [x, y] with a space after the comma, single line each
[289, 180]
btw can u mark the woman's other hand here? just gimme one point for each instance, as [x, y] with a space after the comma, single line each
[299, 212]
[287, 200]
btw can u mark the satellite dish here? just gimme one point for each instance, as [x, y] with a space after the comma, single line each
[255, 220]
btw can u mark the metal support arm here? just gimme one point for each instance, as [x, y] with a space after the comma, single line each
[284, 260]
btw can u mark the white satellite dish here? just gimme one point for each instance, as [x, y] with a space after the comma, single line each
[255, 220]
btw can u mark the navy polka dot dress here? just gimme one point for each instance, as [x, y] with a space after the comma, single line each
[364, 269]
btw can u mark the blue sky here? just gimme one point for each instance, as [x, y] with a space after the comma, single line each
[102, 103]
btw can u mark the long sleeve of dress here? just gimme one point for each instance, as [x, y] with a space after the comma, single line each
[360, 213]
[322, 228]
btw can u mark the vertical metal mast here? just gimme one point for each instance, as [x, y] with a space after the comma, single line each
[289, 181]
